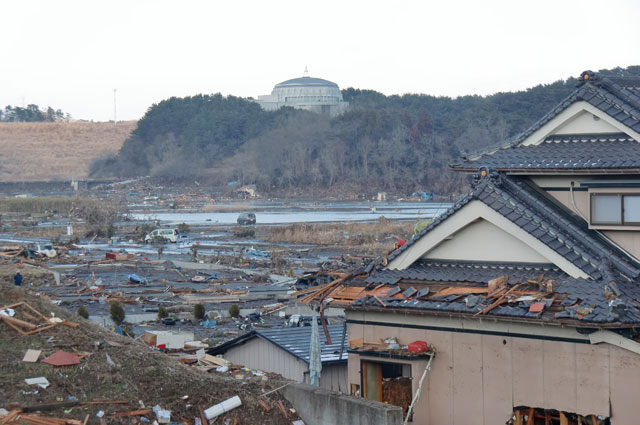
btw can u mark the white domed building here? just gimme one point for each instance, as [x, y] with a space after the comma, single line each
[312, 94]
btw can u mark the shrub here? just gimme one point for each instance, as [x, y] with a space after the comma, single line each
[162, 312]
[198, 311]
[117, 312]
[82, 312]
[183, 228]
[234, 310]
[144, 229]
[243, 232]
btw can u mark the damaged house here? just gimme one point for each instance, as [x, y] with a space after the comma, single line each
[526, 291]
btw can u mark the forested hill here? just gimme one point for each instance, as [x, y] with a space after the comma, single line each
[394, 143]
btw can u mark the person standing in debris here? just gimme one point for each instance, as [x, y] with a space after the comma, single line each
[17, 279]
[160, 251]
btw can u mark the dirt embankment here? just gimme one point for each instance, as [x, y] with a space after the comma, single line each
[57, 151]
[138, 375]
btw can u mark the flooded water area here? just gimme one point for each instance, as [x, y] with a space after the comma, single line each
[316, 212]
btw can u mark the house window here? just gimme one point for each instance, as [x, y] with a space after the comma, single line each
[387, 383]
[615, 209]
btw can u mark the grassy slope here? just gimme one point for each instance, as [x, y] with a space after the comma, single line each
[140, 374]
[56, 151]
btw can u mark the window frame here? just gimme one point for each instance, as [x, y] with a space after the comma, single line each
[622, 222]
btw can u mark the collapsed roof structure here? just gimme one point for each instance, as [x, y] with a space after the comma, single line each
[533, 269]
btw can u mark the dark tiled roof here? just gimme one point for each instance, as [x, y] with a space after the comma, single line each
[617, 97]
[295, 341]
[542, 218]
[573, 152]
[469, 272]
[572, 300]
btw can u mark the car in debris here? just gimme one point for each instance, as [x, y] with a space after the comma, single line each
[246, 219]
[171, 235]
[300, 320]
[44, 249]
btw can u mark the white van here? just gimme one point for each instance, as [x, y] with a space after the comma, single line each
[169, 234]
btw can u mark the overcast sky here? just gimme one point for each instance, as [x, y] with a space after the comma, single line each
[72, 54]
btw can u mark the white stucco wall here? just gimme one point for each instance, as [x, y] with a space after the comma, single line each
[585, 122]
[483, 241]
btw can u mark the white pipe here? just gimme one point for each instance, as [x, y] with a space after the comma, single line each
[573, 204]
[415, 397]
[223, 407]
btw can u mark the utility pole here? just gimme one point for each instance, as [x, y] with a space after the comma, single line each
[115, 121]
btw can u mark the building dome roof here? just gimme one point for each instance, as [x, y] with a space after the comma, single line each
[305, 82]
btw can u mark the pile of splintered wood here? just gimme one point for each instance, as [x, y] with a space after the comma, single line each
[31, 320]
[17, 417]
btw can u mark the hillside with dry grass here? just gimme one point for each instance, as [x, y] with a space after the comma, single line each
[114, 367]
[56, 151]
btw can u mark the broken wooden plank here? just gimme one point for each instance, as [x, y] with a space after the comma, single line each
[40, 329]
[15, 327]
[379, 300]
[50, 406]
[282, 409]
[18, 322]
[140, 412]
[203, 417]
[499, 301]
[31, 356]
[354, 343]
[460, 290]
[264, 405]
[498, 284]
[95, 402]
[530, 416]
[563, 419]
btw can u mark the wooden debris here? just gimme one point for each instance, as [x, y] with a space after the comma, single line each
[273, 391]
[11, 416]
[282, 408]
[264, 405]
[379, 300]
[497, 286]
[132, 413]
[499, 301]
[31, 356]
[354, 343]
[208, 358]
[24, 327]
[203, 417]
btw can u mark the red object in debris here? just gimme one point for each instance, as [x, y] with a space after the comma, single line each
[110, 255]
[418, 346]
[401, 241]
[161, 346]
[146, 258]
[537, 307]
[62, 358]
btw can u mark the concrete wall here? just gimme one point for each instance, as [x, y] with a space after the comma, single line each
[318, 406]
[479, 378]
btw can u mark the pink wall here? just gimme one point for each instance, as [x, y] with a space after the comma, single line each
[478, 379]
